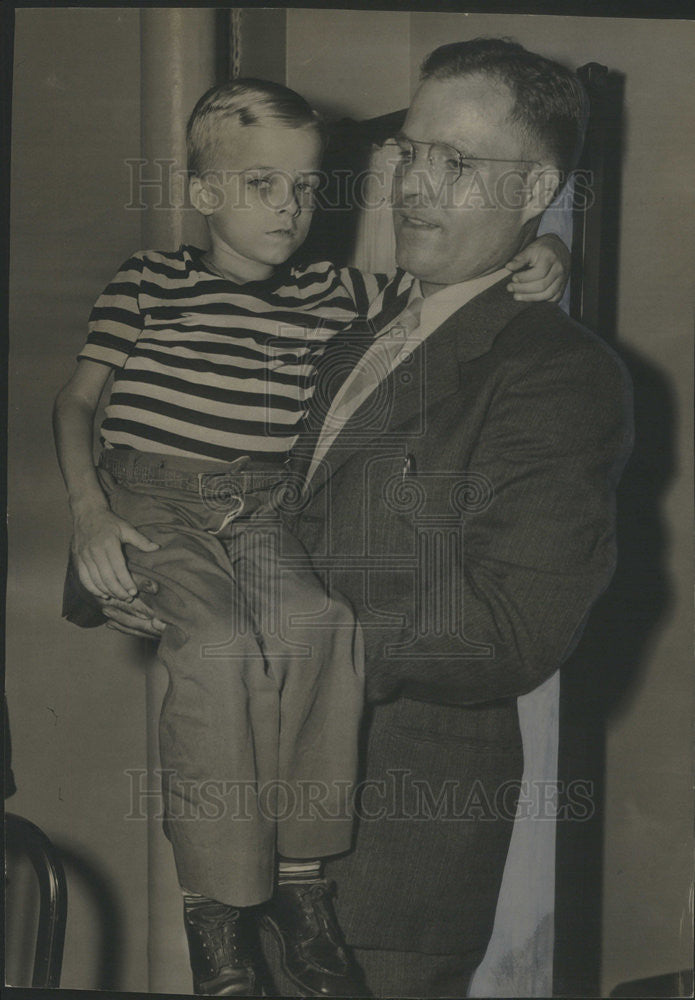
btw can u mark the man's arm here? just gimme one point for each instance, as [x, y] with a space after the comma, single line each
[553, 446]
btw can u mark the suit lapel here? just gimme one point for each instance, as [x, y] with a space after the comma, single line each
[341, 356]
[439, 364]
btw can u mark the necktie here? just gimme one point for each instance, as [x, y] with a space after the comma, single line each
[374, 366]
[379, 360]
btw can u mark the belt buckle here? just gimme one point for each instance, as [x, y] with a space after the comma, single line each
[220, 491]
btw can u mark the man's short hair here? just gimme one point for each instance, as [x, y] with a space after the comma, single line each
[248, 102]
[550, 103]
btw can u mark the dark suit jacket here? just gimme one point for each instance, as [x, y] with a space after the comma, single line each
[468, 514]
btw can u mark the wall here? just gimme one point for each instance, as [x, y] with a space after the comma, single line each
[349, 62]
[76, 699]
[648, 839]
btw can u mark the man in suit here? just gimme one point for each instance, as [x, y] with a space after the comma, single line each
[461, 471]
[461, 492]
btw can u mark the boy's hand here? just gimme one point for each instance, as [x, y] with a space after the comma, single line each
[97, 548]
[542, 270]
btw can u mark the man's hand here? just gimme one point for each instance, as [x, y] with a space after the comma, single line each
[542, 270]
[133, 617]
[97, 549]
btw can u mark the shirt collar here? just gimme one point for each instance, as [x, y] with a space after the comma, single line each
[438, 306]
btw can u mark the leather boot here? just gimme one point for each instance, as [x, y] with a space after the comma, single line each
[221, 950]
[313, 953]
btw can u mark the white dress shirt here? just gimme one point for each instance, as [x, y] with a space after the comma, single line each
[391, 347]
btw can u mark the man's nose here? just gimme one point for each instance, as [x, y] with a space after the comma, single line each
[412, 184]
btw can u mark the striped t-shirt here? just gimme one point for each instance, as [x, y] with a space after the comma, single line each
[208, 368]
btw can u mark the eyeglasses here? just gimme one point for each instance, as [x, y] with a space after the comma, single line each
[446, 163]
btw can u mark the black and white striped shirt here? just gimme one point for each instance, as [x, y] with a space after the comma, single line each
[207, 368]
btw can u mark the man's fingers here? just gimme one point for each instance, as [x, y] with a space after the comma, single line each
[124, 621]
[140, 633]
[133, 615]
[131, 607]
[132, 536]
[121, 628]
[139, 608]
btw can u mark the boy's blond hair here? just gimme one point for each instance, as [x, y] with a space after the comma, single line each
[249, 102]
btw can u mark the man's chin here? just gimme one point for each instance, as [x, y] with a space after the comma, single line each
[417, 264]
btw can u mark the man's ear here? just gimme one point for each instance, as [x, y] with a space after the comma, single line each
[544, 184]
[202, 196]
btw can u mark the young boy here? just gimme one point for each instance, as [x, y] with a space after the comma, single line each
[213, 354]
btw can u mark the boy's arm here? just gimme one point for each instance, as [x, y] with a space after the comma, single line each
[98, 534]
[542, 270]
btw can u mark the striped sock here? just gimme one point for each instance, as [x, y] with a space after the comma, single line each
[195, 897]
[292, 870]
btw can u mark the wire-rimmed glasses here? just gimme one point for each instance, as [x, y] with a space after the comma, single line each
[445, 163]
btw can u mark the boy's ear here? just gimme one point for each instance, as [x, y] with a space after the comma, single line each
[202, 197]
[544, 184]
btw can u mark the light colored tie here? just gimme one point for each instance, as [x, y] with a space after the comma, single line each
[378, 360]
[406, 322]
[376, 364]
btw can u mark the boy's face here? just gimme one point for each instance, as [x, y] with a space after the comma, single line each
[258, 195]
